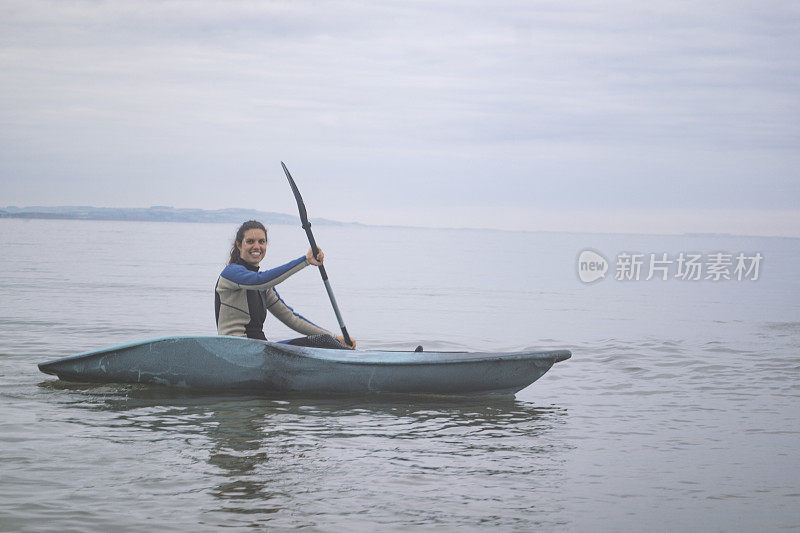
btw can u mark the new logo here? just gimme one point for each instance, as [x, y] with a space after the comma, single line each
[591, 266]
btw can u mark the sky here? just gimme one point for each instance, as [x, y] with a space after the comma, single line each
[597, 116]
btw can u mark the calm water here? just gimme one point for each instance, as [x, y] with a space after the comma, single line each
[678, 410]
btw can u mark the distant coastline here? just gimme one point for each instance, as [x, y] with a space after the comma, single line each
[155, 213]
[159, 213]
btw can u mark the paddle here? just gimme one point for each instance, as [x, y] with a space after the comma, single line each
[307, 226]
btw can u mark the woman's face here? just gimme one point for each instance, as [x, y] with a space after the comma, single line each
[253, 246]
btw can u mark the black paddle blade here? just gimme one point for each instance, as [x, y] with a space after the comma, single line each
[300, 205]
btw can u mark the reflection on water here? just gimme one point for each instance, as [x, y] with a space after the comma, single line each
[287, 462]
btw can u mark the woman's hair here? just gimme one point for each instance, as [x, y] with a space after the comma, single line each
[250, 224]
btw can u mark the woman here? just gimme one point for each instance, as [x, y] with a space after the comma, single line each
[243, 294]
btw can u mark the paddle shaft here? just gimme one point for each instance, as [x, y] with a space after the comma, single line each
[315, 250]
[324, 274]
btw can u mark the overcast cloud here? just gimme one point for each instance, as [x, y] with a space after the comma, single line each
[589, 116]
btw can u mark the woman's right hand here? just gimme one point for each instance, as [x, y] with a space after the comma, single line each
[315, 261]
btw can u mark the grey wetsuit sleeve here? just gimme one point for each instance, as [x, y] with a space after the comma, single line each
[287, 315]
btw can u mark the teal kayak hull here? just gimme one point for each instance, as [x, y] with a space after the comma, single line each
[235, 363]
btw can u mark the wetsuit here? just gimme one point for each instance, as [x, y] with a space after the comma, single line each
[243, 296]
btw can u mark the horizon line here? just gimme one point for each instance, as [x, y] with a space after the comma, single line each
[4, 213]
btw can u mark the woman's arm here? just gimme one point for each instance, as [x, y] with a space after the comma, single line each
[236, 276]
[287, 315]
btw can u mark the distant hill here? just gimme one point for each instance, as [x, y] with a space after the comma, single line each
[156, 213]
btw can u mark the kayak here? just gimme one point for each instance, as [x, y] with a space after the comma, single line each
[234, 363]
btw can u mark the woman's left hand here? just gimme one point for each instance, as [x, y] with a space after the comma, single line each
[340, 338]
[315, 261]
